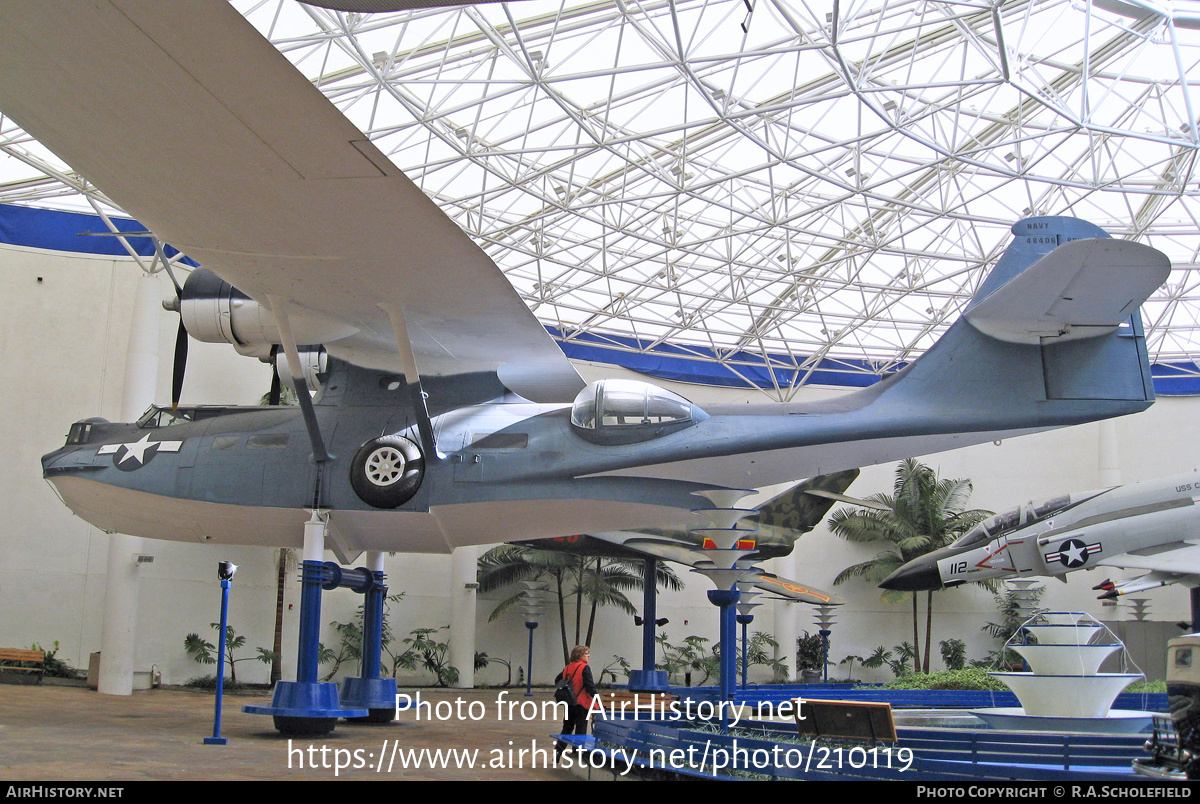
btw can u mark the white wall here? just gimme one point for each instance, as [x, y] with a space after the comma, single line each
[64, 339]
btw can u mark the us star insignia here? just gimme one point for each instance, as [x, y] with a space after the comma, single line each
[133, 455]
[1073, 553]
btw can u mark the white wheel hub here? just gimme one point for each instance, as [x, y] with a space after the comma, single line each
[385, 466]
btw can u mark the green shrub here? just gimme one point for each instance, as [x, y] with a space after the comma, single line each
[55, 667]
[971, 678]
[210, 683]
[1147, 686]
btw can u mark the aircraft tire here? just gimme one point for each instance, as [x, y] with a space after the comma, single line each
[387, 471]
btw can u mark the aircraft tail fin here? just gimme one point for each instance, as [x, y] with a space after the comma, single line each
[1052, 337]
[796, 510]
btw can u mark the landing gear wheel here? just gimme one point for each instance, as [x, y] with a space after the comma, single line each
[305, 726]
[386, 472]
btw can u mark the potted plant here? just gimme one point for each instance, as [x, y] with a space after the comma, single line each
[810, 655]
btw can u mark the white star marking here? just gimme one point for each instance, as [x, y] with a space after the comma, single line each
[1075, 553]
[137, 450]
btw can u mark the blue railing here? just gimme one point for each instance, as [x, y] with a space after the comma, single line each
[904, 699]
[919, 755]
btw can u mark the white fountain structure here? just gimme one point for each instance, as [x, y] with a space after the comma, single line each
[1064, 689]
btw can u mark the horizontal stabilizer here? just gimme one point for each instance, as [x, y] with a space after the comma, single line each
[1081, 289]
[829, 495]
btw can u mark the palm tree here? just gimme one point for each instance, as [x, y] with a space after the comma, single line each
[285, 563]
[923, 514]
[591, 581]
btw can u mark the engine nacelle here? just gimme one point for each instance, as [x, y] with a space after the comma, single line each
[214, 311]
[314, 362]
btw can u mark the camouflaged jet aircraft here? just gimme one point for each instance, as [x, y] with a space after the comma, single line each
[1152, 526]
[777, 524]
[447, 415]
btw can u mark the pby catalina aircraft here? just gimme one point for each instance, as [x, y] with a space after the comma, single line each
[447, 415]
[776, 523]
[1152, 526]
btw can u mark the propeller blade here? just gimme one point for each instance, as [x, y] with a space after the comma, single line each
[177, 371]
[276, 385]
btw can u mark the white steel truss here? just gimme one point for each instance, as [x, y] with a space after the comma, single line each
[763, 181]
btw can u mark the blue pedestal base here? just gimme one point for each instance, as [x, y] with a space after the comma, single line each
[649, 681]
[216, 741]
[305, 708]
[376, 695]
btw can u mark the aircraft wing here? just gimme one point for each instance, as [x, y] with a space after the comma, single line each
[683, 554]
[1178, 558]
[794, 590]
[193, 123]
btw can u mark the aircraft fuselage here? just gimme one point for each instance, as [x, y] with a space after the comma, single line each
[1062, 534]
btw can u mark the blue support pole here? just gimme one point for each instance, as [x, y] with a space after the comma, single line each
[529, 663]
[312, 576]
[306, 706]
[745, 620]
[648, 678]
[649, 613]
[216, 738]
[372, 645]
[825, 632]
[726, 599]
[368, 690]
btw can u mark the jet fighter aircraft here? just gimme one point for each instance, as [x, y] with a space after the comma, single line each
[1152, 526]
[447, 415]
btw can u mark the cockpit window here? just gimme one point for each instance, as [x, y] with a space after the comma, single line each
[616, 403]
[162, 416]
[641, 410]
[1021, 516]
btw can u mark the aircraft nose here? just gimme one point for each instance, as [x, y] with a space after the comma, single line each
[914, 576]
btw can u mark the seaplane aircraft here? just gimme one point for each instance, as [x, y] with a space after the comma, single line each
[446, 414]
[1153, 526]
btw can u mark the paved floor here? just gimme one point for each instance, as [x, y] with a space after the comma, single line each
[52, 733]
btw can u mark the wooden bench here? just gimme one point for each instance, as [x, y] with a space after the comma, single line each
[17, 660]
[845, 720]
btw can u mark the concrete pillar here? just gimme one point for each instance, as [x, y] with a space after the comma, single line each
[118, 640]
[463, 572]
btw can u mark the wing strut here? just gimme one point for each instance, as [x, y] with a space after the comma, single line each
[412, 377]
[279, 308]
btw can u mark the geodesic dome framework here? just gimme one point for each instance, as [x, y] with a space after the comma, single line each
[780, 192]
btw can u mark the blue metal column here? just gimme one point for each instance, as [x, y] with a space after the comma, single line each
[368, 690]
[727, 599]
[529, 662]
[649, 679]
[372, 645]
[216, 738]
[745, 620]
[1195, 599]
[825, 632]
[306, 706]
[312, 575]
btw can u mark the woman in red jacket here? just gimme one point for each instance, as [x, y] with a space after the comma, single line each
[580, 677]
